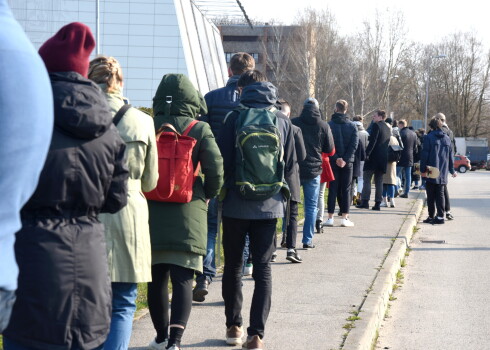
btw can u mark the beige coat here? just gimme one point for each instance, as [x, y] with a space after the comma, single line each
[389, 177]
[127, 231]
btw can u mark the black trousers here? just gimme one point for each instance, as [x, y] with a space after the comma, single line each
[435, 199]
[158, 301]
[261, 234]
[378, 183]
[292, 228]
[447, 203]
[342, 186]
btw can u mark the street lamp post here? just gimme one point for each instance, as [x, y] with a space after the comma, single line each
[427, 88]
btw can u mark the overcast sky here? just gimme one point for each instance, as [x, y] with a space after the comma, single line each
[427, 20]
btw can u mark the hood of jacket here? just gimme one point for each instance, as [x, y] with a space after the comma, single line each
[233, 80]
[259, 95]
[438, 133]
[185, 99]
[359, 125]
[310, 114]
[80, 107]
[339, 118]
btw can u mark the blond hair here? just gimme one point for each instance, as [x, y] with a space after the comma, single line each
[341, 106]
[106, 70]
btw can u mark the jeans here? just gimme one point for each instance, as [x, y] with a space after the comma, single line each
[209, 262]
[12, 345]
[341, 186]
[378, 183]
[321, 202]
[7, 299]
[261, 234]
[123, 308]
[405, 173]
[311, 188]
[389, 190]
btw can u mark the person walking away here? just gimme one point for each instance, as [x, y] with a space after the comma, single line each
[24, 78]
[390, 178]
[258, 216]
[376, 160]
[317, 138]
[178, 230]
[346, 139]
[410, 148]
[219, 103]
[448, 132]
[64, 297]
[360, 157]
[436, 152]
[127, 233]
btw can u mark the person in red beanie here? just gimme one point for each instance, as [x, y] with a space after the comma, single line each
[64, 290]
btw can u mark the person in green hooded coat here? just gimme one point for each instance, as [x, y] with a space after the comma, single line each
[179, 230]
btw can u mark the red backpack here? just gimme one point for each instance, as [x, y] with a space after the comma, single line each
[175, 168]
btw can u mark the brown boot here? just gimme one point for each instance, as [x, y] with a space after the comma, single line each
[253, 343]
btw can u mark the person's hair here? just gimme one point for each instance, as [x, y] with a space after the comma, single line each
[358, 118]
[381, 113]
[283, 103]
[241, 62]
[421, 131]
[441, 116]
[341, 106]
[389, 121]
[106, 70]
[250, 77]
[435, 123]
[402, 122]
[394, 123]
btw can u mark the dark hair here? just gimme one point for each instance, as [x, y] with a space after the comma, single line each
[435, 123]
[358, 118]
[381, 113]
[281, 103]
[389, 121]
[250, 77]
[241, 62]
[395, 123]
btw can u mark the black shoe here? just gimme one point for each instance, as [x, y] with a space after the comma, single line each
[377, 206]
[363, 205]
[437, 221]
[339, 213]
[319, 226]
[449, 216]
[404, 195]
[428, 220]
[308, 246]
[293, 257]
[200, 291]
[274, 257]
[415, 187]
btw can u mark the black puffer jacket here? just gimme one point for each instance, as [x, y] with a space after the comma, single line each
[64, 296]
[317, 137]
[345, 136]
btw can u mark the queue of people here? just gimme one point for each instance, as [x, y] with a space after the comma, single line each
[86, 235]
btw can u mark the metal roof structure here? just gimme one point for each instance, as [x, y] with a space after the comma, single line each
[232, 9]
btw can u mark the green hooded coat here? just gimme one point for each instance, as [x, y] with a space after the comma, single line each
[179, 230]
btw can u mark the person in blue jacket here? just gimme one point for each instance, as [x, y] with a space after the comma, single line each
[437, 152]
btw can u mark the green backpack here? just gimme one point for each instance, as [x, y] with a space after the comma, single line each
[259, 171]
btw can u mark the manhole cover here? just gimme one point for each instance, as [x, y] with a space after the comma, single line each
[432, 241]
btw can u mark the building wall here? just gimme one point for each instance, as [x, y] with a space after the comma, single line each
[150, 38]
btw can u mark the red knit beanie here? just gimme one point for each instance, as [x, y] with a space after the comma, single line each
[69, 49]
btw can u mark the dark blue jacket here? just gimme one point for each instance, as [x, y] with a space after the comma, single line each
[437, 152]
[220, 102]
[345, 136]
[257, 95]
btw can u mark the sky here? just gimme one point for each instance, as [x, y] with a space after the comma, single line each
[427, 21]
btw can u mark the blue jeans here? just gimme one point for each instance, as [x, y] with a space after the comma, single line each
[209, 262]
[123, 308]
[311, 189]
[389, 190]
[12, 345]
[7, 299]
[405, 172]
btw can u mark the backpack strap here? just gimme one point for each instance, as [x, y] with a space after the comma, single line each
[189, 127]
[120, 113]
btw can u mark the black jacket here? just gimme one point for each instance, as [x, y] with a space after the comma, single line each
[377, 149]
[450, 133]
[257, 95]
[360, 155]
[317, 137]
[299, 147]
[345, 136]
[410, 147]
[64, 293]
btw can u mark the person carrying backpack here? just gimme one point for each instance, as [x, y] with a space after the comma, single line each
[178, 230]
[253, 200]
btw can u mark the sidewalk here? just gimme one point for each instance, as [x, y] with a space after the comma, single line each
[311, 301]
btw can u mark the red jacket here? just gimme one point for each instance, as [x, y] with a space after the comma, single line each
[327, 173]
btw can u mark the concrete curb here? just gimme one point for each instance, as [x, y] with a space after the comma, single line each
[375, 304]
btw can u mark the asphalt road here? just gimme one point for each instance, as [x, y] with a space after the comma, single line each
[443, 302]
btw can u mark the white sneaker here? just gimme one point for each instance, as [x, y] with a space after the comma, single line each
[346, 223]
[158, 346]
[392, 202]
[329, 222]
[248, 269]
[174, 347]
[383, 204]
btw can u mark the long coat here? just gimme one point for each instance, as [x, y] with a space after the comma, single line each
[389, 177]
[377, 148]
[437, 152]
[410, 147]
[64, 293]
[182, 227]
[127, 232]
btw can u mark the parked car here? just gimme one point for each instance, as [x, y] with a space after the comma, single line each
[462, 163]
